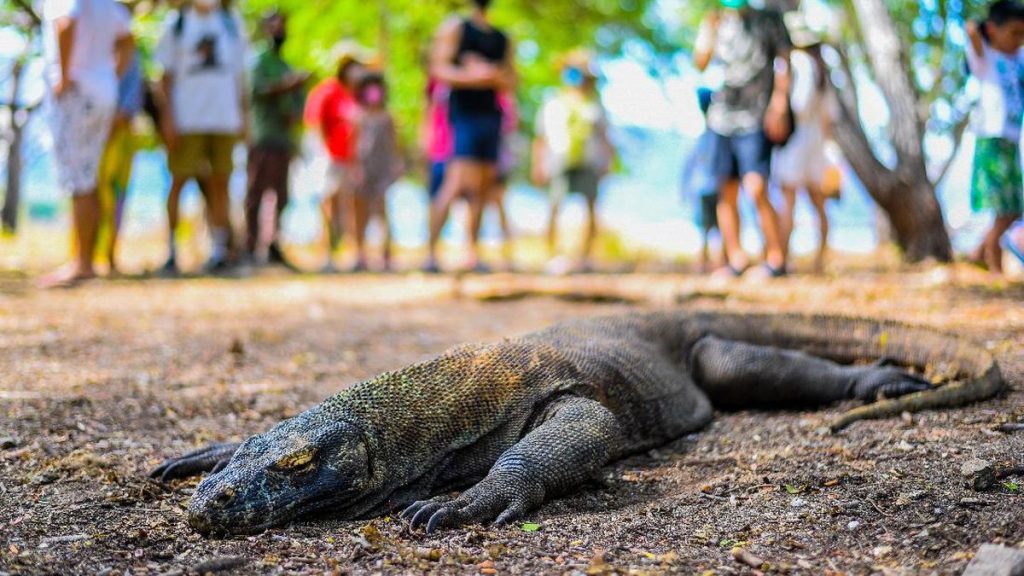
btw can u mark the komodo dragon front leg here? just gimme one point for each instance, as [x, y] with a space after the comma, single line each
[739, 375]
[577, 437]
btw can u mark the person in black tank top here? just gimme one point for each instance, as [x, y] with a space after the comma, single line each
[475, 59]
[488, 45]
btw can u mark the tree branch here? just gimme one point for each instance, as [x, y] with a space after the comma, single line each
[958, 132]
[26, 7]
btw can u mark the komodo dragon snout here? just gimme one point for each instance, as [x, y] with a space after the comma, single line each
[302, 466]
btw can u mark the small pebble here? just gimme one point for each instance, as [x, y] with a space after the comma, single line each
[853, 525]
[797, 502]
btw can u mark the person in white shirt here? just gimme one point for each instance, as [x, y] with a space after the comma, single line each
[202, 53]
[995, 58]
[87, 44]
[801, 163]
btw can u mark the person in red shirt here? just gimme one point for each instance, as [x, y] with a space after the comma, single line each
[332, 110]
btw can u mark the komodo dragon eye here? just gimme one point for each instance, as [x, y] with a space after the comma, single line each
[296, 460]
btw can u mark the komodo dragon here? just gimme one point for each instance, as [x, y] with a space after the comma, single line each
[528, 418]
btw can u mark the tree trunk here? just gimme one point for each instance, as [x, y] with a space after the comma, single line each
[905, 192]
[19, 119]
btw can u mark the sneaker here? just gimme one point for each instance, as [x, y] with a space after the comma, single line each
[169, 269]
[217, 267]
[275, 256]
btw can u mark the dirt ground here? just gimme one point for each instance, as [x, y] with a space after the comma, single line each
[98, 384]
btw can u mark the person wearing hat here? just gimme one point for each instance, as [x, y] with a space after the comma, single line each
[278, 96]
[332, 110]
[571, 151]
[749, 115]
[802, 162]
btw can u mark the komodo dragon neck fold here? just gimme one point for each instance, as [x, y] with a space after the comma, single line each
[524, 419]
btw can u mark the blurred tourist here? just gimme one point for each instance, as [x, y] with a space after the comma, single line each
[701, 181]
[802, 162]
[572, 152]
[202, 50]
[475, 59]
[332, 110]
[278, 98]
[994, 57]
[749, 114]
[87, 44]
[380, 166]
[436, 138]
[116, 166]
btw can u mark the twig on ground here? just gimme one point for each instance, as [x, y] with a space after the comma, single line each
[744, 557]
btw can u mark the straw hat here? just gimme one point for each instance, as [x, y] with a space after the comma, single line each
[349, 50]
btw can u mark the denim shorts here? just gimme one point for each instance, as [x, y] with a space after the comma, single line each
[742, 154]
[477, 135]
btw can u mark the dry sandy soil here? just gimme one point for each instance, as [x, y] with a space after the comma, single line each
[98, 384]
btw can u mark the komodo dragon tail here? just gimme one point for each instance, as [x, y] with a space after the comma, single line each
[970, 372]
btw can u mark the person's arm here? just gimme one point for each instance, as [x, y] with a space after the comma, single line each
[166, 56]
[442, 61]
[973, 30]
[777, 120]
[704, 47]
[65, 33]
[508, 77]
[538, 153]
[125, 51]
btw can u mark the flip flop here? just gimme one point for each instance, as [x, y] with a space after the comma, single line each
[1012, 248]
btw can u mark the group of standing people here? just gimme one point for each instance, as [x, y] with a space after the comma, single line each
[211, 95]
[768, 123]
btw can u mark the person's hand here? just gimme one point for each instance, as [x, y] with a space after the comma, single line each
[776, 121]
[538, 175]
[297, 79]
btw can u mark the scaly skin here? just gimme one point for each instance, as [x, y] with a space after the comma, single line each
[525, 419]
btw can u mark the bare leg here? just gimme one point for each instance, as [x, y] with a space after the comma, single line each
[360, 220]
[590, 235]
[818, 200]
[385, 222]
[553, 228]
[451, 188]
[786, 217]
[757, 186]
[993, 251]
[486, 177]
[85, 209]
[729, 224]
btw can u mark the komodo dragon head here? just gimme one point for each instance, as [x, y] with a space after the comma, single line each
[303, 465]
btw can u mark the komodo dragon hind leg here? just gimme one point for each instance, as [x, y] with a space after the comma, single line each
[740, 375]
[210, 459]
[565, 450]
